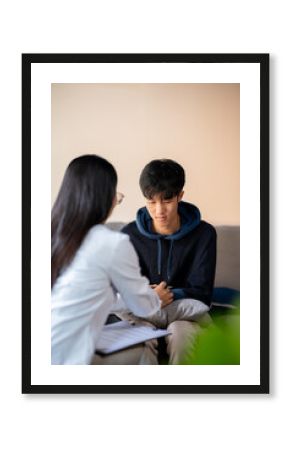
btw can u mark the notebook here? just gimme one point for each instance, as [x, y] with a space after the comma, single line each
[120, 335]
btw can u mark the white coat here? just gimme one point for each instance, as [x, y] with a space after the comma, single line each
[85, 293]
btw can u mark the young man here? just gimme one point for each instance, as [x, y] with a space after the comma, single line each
[175, 246]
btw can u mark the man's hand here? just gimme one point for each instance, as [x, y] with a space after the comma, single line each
[164, 293]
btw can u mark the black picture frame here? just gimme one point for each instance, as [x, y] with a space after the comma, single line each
[263, 61]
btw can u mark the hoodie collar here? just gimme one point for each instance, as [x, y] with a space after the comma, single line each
[189, 215]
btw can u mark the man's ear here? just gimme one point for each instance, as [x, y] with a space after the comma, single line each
[180, 195]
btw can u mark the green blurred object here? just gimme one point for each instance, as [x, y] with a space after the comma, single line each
[219, 344]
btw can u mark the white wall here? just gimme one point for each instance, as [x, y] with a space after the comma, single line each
[147, 422]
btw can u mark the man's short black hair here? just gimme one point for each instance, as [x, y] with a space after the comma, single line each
[164, 177]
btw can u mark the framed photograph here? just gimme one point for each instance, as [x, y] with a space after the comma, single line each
[207, 113]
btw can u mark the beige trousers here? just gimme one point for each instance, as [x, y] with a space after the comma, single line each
[184, 332]
[184, 319]
[144, 354]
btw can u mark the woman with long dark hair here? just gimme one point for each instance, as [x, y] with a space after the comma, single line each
[90, 263]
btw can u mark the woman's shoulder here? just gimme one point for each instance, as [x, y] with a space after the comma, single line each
[102, 244]
[114, 246]
[102, 234]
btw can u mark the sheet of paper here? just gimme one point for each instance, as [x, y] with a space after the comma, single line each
[119, 335]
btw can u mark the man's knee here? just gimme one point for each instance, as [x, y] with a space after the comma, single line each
[182, 334]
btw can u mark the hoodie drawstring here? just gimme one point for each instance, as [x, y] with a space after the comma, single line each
[159, 256]
[169, 262]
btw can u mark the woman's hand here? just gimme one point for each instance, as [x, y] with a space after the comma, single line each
[164, 293]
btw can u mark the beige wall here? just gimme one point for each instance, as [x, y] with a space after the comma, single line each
[198, 125]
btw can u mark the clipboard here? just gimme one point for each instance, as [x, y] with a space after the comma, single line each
[120, 335]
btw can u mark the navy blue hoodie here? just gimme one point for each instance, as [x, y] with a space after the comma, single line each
[186, 259]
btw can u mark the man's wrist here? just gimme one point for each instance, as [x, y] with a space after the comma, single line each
[178, 293]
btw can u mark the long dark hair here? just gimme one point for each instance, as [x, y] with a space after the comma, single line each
[85, 199]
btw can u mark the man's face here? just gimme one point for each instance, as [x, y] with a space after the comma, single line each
[162, 211]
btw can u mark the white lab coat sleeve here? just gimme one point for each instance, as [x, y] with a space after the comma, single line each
[126, 278]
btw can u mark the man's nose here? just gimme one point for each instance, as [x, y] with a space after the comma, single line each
[159, 208]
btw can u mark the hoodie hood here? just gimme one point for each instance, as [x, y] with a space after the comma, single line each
[189, 215]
